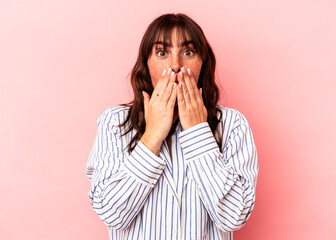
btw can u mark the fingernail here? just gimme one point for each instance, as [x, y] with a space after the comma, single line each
[180, 74]
[189, 71]
[183, 69]
[175, 85]
[164, 72]
[172, 74]
[169, 71]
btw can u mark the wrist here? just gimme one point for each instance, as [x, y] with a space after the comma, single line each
[191, 125]
[151, 142]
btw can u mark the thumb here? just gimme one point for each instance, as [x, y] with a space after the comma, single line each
[146, 100]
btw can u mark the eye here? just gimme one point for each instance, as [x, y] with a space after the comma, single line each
[161, 53]
[189, 53]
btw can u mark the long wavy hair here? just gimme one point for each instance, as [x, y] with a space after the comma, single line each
[161, 29]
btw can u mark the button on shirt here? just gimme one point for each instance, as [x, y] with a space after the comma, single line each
[196, 191]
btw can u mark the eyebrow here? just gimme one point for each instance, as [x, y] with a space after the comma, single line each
[165, 44]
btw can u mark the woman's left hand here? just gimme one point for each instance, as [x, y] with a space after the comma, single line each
[191, 108]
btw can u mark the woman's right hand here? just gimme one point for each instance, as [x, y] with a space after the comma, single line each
[159, 111]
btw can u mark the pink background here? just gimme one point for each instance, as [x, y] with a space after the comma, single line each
[62, 63]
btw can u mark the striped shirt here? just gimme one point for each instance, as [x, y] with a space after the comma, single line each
[194, 191]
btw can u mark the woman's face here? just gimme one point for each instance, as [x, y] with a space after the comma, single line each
[178, 54]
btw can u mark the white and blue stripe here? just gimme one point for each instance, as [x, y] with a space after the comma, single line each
[194, 192]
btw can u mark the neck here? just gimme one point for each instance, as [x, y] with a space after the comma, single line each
[175, 116]
[174, 124]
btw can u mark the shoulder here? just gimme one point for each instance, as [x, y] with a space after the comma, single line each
[231, 115]
[113, 116]
[233, 126]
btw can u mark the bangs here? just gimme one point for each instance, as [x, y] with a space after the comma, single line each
[165, 35]
[185, 30]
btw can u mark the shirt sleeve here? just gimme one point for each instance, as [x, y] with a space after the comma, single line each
[226, 180]
[120, 183]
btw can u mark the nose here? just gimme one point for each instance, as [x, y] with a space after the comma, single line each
[176, 63]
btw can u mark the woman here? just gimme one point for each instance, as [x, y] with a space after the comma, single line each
[173, 164]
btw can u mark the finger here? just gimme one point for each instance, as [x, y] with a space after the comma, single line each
[199, 97]
[180, 97]
[191, 76]
[169, 89]
[146, 102]
[162, 83]
[189, 85]
[172, 99]
[182, 84]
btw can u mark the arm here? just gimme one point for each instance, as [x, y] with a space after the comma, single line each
[120, 184]
[225, 181]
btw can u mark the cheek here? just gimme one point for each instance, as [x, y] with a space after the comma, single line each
[155, 76]
[154, 80]
[155, 71]
[196, 69]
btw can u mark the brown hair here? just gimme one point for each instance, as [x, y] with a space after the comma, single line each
[161, 28]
